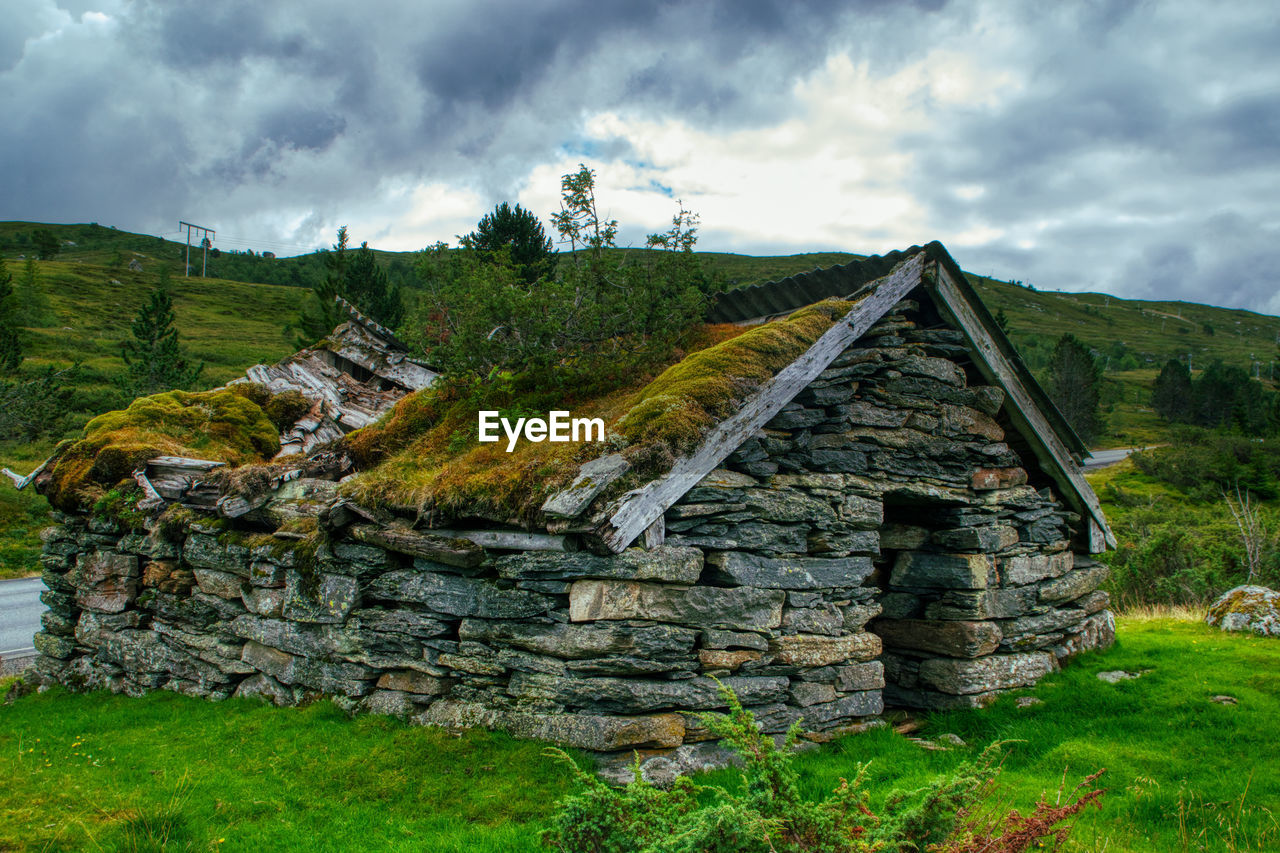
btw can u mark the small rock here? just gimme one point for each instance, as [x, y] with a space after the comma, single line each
[1027, 701]
[1225, 700]
[931, 746]
[951, 739]
[1115, 676]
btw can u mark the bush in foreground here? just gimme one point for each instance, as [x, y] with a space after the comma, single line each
[768, 814]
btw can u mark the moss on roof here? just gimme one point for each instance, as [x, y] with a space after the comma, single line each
[423, 455]
[221, 425]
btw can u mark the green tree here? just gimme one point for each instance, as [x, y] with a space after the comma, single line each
[1002, 320]
[46, 244]
[517, 230]
[35, 406]
[1226, 396]
[33, 307]
[357, 278]
[365, 285]
[1074, 382]
[1171, 394]
[602, 311]
[154, 358]
[320, 311]
[10, 344]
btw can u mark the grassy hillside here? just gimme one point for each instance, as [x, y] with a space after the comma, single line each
[233, 322]
[108, 772]
[228, 325]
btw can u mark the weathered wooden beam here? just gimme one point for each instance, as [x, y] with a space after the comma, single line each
[19, 481]
[593, 478]
[513, 540]
[1054, 456]
[452, 552]
[149, 492]
[655, 534]
[343, 513]
[640, 508]
[184, 463]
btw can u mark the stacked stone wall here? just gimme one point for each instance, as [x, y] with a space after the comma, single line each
[878, 541]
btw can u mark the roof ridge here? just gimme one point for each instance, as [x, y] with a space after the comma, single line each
[796, 291]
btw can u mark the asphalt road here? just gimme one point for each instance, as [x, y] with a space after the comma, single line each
[1103, 458]
[20, 610]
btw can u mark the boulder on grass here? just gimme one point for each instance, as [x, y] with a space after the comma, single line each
[1247, 608]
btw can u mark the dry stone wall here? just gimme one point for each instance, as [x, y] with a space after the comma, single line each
[877, 542]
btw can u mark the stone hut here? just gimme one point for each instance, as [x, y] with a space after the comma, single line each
[896, 517]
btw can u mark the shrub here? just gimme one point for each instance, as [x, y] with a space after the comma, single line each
[480, 316]
[768, 814]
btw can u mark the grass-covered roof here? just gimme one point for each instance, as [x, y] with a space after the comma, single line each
[424, 456]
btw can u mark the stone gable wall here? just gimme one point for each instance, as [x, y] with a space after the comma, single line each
[877, 542]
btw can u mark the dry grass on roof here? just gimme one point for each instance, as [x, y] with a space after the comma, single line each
[423, 456]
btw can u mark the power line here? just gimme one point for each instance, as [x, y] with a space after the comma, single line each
[205, 243]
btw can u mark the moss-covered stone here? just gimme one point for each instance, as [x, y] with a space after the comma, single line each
[218, 425]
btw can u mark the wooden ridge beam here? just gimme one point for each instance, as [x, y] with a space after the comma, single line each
[1054, 456]
[638, 509]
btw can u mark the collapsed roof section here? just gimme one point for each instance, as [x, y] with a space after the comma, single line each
[352, 378]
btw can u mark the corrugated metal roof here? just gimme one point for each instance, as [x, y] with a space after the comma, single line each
[782, 297]
[797, 291]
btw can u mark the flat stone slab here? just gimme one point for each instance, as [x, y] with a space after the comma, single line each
[817, 650]
[995, 672]
[739, 608]
[747, 569]
[668, 563]
[942, 571]
[954, 639]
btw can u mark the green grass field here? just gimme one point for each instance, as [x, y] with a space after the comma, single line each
[104, 772]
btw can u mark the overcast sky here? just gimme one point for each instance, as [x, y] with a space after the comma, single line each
[1127, 147]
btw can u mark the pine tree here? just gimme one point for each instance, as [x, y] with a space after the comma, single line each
[33, 307]
[1171, 394]
[10, 344]
[1074, 382]
[517, 230]
[156, 362]
[357, 278]
[365, 285]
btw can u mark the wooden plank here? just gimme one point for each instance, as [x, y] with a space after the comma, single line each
[19, 481]
[640, 508]
[655, 534]
[512, 540]
[452, 552]
[1097, 542]
[184, 463]
[593, 478]
[1055, 458]
[148, 491]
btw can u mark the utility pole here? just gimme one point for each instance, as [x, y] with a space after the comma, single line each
[205, 243]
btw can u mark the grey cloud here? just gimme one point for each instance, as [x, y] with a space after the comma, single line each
[1143, 143]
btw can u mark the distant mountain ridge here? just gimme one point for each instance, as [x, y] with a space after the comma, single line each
[1132, 337]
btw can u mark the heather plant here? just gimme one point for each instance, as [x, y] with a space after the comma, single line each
[767, 813]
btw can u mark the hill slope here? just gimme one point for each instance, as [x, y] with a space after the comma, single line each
[230, 326]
